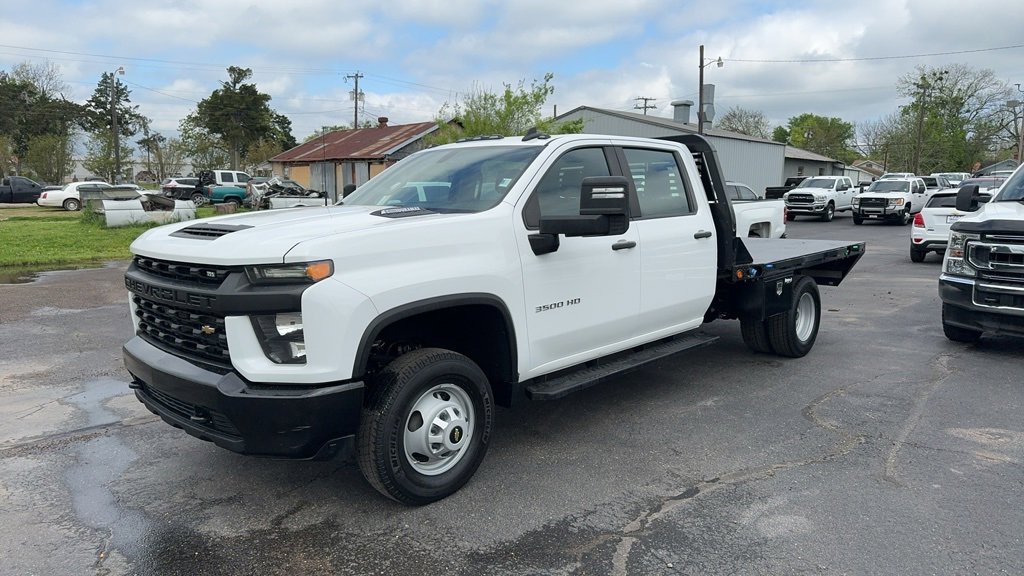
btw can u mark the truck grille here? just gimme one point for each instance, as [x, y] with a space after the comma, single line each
[800, 198]
[209, 276]
[199, 415]
[198, 338]
[874, 202]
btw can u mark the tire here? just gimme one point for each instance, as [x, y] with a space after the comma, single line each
[72, 204]
[956, 333]
[857, 220]
[404, 464]
[234, 201]
[755, 335]
[829, 213]
[198, 199]
[917, 255]
[793, 332]
[905, 217]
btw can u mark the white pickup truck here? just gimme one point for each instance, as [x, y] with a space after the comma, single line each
[895, 199]
[756, 217]
[393, 323]
[982, 281]
[821, 196]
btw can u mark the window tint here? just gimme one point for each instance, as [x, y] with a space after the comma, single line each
[242, 177]
[732, 192]
[659, 186]
[746, 193]
[558, 193]
[227, 177]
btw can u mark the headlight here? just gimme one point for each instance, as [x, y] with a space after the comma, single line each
[856, 201]
[300, 272]
[819, 197]
[282, 337]
[895, 201]
[954, 262]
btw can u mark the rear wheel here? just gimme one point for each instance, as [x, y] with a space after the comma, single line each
[72, 204]
[829, 213]
[917, 255]
[755, 335]
[233, 201]
[198, 199]
[793, 332]
[956, 333]
[426, 426]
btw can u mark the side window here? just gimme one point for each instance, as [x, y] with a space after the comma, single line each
[558, 193]
[732, 192]
[227, 177]
[243, 177]
[746, 193]
[659, 185]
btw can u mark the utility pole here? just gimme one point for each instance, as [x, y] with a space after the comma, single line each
[924, 84]
[700, 92]
[356, 97]
[645, 106]
[113, 123]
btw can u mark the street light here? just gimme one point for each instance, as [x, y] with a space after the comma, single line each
[704, 63]
[113, 121]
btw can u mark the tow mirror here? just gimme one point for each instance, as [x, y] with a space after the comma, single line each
[967, 198]
[604, 211]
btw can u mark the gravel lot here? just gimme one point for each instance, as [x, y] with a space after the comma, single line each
[887, 450]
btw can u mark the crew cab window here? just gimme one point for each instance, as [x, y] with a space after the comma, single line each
[659, 186]
[558, 192]
[227, 177]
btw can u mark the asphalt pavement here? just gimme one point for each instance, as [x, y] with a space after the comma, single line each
[887, 450]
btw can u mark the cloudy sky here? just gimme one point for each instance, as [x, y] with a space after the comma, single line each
[415, 55]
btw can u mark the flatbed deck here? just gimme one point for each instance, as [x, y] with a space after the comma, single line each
[827, 261]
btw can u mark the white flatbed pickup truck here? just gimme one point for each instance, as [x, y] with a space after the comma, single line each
[392, 324]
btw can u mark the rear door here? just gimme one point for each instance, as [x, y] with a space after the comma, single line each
[677, 240]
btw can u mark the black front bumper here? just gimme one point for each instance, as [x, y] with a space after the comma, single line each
[961, 310]
[281, 421]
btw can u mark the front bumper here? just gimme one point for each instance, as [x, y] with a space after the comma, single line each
[880, 212]
[264, 420]
[816, 208]
[999, 311]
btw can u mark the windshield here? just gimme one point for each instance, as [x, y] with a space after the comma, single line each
[889, 186]
[817, 183]
[468, 179]
[1012, 190]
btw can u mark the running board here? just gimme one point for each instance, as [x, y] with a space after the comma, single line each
[590, 375]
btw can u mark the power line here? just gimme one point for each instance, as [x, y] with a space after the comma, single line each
[645, 106]
[870, 58]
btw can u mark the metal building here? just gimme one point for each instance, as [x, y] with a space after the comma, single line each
[756, 162]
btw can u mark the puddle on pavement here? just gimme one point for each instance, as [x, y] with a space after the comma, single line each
[29, 275]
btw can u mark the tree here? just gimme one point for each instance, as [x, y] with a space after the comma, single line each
[51, 157]
[510, 113]
[97, 115]
[45, 77]
[749, 122]
[780, 134]
[26, 112]
[99, 157]
[207, 151]
[259, 153]
[240, 115]
[326, 130]
[830, 137]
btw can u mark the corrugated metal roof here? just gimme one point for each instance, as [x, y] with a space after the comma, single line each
[801, 154]
[362, 144]
[672, 124]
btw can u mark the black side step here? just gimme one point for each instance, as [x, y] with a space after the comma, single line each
[588, 376]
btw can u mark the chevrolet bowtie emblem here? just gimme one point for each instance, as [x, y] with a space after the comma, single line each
[207, 329]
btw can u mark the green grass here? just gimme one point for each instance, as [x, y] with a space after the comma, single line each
[40, 237]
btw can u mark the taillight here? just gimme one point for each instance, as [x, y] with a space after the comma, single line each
[43, 195]
[918, 220]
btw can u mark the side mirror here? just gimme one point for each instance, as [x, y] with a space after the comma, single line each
[967, 198]
[604, 211]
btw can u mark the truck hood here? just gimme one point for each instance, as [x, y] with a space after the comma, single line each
[265, 237]
[1010, 214]
[810, 189]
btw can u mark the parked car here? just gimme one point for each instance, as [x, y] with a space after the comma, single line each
[214, 194]
[228, 177]
[933, 184]
[931, 225]
[890, 199]
[985, 183]
[821, 196]
[19, 189]
[891, 175]
[755, 217]
[69, 198]
[779, 191]
[954, 178]
[180, 188]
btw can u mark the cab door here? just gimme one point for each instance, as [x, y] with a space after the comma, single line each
[582, 299]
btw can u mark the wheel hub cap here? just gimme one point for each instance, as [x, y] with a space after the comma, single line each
[438, 429]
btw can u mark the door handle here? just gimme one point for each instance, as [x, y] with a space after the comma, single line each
[702, 234]
[624, 245]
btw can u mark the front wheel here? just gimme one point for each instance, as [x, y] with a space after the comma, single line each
[793, 332]
[956, 333]
[829, 213]
[905, 217]
[426, 426]
[857, 220]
